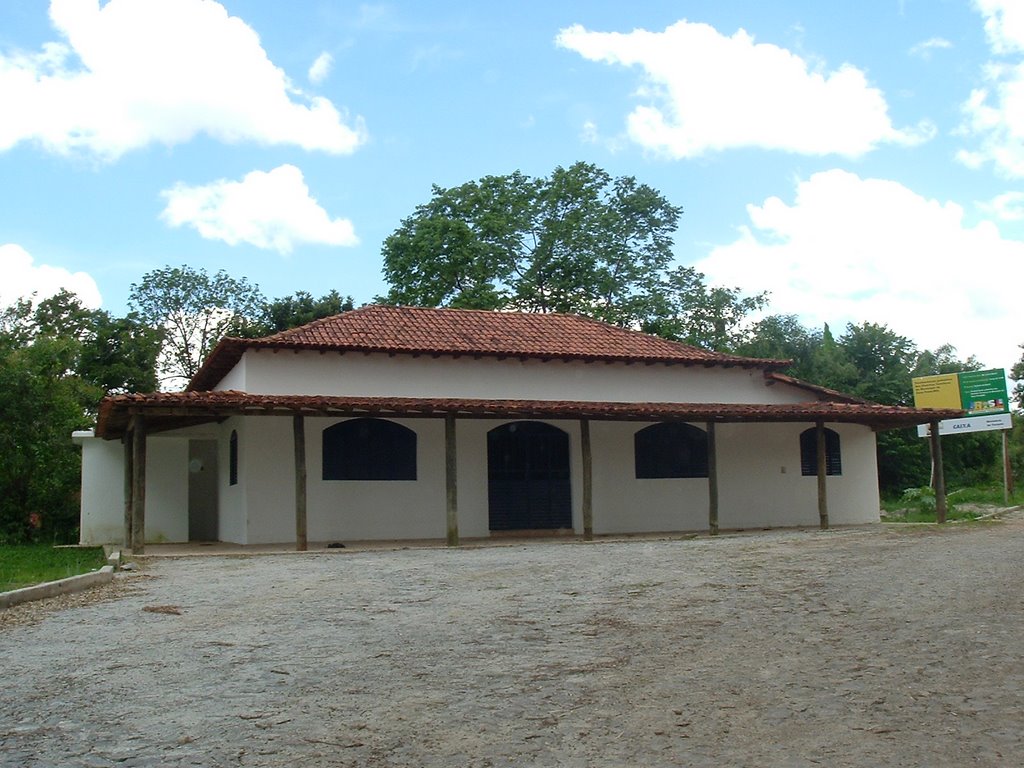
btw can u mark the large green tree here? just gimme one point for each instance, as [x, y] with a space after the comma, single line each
[192, 310]
[784, 337]
[878, 364]
[297, 309]
[1017, 374]
[115, 354]
[120, 354]
[42, 401]
[576, 241]
[687, 309]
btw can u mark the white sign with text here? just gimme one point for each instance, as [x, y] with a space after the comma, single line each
[972, 424]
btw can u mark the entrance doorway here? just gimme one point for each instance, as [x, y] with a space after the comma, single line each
[528, 477]
[202, 490]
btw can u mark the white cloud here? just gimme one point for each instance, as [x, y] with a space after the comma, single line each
[870, 250]
[136, 72]
[924, 49]
[703, 91]
[589, 133]
[1008, 206]
[321, 68]
[1004, 24]
[271, 210]
[23, 278]
[994, 114]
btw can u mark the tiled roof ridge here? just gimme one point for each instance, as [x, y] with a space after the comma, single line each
[289, 334]
[480, 332]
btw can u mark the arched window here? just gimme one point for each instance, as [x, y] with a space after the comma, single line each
[670, 450]
[809, 452]
[369, 449]
[233, 458]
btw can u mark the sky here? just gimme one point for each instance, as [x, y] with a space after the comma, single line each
[860, 161]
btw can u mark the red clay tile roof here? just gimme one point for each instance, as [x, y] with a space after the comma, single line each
[170, 410]
[822, 392]
[413, 330]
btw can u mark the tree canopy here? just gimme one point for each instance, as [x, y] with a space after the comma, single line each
[295, 310]
[57, 359]
[192, 311]
[1018, 375]
[874, 362]
[575, 241]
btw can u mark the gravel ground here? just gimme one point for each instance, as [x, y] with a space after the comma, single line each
[861, 647]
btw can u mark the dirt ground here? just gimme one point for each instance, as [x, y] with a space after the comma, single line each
[867, 647]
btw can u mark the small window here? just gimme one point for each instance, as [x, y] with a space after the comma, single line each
[233, 459]
[809, 452]
[670, 450]
[369, 449]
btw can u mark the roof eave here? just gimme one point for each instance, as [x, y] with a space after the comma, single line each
[218, 363]
[174, 410]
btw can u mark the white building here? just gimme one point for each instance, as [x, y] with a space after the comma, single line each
[404, 423]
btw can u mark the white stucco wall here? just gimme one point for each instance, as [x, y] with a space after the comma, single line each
[102, 511]
[760, 482]
[335, 510]
[379, 509]
[378, 375]
[235, 378]
[102, 516]
[266, 477]
[754, 491]
[231, 513]
[166, 489]
[625, 504]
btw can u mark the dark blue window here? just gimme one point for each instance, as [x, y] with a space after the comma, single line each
[671, 450]
[369, 449]
[809, 452]
[233, 459]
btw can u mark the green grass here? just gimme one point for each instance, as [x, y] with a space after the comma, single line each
[917, 516]
[24, 565]
[985, 495]
[917, 505]
[990, 494]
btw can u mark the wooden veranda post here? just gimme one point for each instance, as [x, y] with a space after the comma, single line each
[451, 480]
[939, 473]
[138, 463]
[299, 432]
[588, 481]
[1007, 469]
[129, 479]
[819, 434]
[712, 481]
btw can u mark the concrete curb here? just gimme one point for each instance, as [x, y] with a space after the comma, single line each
[53, 588]
[995, 515]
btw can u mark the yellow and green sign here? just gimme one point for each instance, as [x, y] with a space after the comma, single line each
[941, 391]
[979, 393]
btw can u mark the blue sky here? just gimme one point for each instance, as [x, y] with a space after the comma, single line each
[860, 161]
